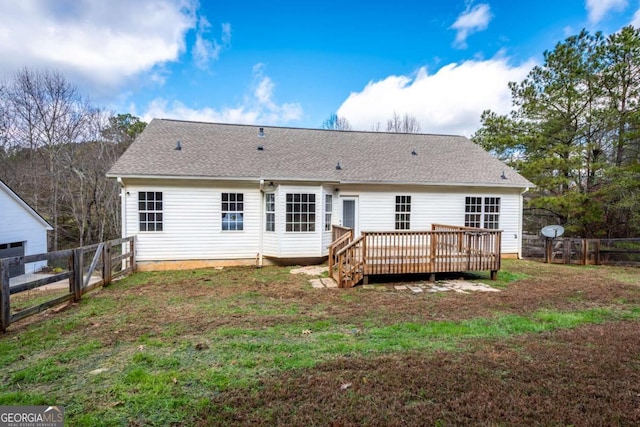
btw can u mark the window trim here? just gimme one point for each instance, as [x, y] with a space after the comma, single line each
[158, 209]
[328, 211]
[485, 211]
[238, 209]
[269, 214]
[305, 209]
[402, 217]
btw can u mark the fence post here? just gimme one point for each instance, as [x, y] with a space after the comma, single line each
[132, 249]
[597, 251]
[77, 274]
[566, 250]
[106, 264]
[5, 305]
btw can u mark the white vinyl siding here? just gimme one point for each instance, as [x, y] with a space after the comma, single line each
[192, 218]
[18, 224]
[192, 224]
[299, 244]
[435, 205]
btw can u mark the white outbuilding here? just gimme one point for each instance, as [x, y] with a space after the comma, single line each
[22, 231]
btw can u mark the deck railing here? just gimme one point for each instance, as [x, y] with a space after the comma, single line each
[441, 250]
[341, 237]
[350, 263]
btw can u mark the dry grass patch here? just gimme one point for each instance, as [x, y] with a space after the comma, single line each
[260, 346]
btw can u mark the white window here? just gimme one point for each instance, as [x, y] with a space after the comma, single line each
[328, 210]
[232, 211]
[300, 212]
[482, 212]
[473, 212]
[270, 211]
[150, 210]
[492, 212]
[403, 212]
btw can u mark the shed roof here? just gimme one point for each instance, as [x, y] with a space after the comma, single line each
[228, 151]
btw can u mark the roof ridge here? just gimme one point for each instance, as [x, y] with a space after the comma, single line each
[306, 128]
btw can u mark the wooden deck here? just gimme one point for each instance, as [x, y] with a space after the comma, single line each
[443, 249]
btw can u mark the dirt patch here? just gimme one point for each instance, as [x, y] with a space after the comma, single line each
[588, 376]
[160, 301]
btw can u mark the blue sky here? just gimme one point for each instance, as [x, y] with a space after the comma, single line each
[293, 63]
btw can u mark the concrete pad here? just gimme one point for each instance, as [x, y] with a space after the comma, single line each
[415, 289]
[329, 282]
[312, 270]
[400, 287]
[464, 285]
[317, 283]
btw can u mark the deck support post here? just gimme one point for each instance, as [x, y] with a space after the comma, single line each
[494, 274]
[365, 280]
[432, 277]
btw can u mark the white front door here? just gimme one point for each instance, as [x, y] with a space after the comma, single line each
[350, 214]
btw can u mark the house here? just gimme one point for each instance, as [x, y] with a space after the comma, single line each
[203, 194]
[22, 231]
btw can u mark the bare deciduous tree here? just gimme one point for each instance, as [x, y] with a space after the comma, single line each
[403, 124]
[55, 148]
[335, 122]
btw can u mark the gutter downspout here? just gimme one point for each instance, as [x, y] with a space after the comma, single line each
[123, 208]
[261, 243]
[123, 218]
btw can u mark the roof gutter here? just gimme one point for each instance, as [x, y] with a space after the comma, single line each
[326, 181]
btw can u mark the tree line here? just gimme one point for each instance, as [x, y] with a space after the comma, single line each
[405, 123]
[55, 148]
[574, 131]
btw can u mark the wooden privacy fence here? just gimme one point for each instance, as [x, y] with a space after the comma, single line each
[110, 260]
[569, 250]
[443, 249]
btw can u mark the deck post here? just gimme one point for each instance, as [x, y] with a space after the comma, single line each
[432, 277]
[494, 274]
[364, 253]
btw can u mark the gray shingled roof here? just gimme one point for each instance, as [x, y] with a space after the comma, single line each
[211, 150]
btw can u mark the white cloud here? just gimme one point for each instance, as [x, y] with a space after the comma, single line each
[636, 19]
[97, 43]
[258, 107]
[473, 19]
[598, 8]
[205, 51]
[448, 102]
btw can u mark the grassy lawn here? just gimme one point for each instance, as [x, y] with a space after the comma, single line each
[559, 345]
